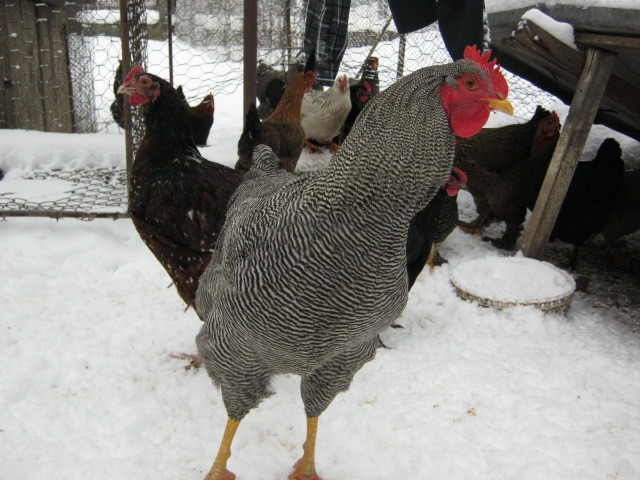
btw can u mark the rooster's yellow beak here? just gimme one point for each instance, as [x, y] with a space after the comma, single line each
[503, 105]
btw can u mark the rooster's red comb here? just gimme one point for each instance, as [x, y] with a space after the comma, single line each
[492, 68]
[462, 177]
[133, 73]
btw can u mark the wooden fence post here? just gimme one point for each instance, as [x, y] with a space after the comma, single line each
[585, 103]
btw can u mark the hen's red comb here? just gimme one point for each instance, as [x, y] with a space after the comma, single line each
[491, 67]
[134, 72]
[462, 177]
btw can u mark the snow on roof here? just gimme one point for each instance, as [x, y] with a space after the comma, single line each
[562, 31]
[506, 5]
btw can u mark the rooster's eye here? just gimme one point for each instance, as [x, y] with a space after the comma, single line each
[470, 83]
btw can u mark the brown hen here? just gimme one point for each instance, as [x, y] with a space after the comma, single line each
[281, 130]
[505, 168]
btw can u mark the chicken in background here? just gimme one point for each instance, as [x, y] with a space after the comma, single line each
[361, 91]
[324, 113]
[310, 269]
[272, 82]
[117, 106]
[178, 199]
[360, 94]
[370, 75]
[270, 88]
[624, 217]
[200, 117]
[432, 225]
[505, 167]
[589, 200]
[282, 130]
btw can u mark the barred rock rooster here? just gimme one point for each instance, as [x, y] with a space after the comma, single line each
[310, 269]
[178, 198]
[281, 130]
[506, 167]
[432, 225]
[324, 112]
[200, 117]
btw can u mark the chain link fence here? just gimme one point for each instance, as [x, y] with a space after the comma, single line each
[196, 44]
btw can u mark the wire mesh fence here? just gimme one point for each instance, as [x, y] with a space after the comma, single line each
[197, 44]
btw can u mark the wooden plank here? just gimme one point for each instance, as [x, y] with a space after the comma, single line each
[612, 43]
[5, 86]
[589, 92]
[60, 67]
[24, 103]
[250, 39]
[56, 93]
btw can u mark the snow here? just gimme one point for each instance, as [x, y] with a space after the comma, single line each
[513, 279]
[89, 387]
[36, 190]
[562, 31]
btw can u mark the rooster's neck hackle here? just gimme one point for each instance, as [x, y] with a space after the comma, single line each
[167, 127]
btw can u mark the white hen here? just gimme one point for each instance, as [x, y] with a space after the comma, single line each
[324, 112]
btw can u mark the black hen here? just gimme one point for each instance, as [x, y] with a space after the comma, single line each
[593, 189]
[506, 167]
[270, 89]
[432, 225]
[178, 198]
[370, 75]
[361, 91]
[360, 94]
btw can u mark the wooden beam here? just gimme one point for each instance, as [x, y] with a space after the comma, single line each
[589, 92]
[54, 68]
[250, 37]
[612, 43]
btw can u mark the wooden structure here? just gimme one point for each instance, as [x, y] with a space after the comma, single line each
[35, 93]
[601, 83]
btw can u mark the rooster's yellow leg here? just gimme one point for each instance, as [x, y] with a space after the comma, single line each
[305, 468]
[432, 253]
[219, 469]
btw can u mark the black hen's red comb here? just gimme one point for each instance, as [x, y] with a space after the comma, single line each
[133, 73]
[462, 177]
